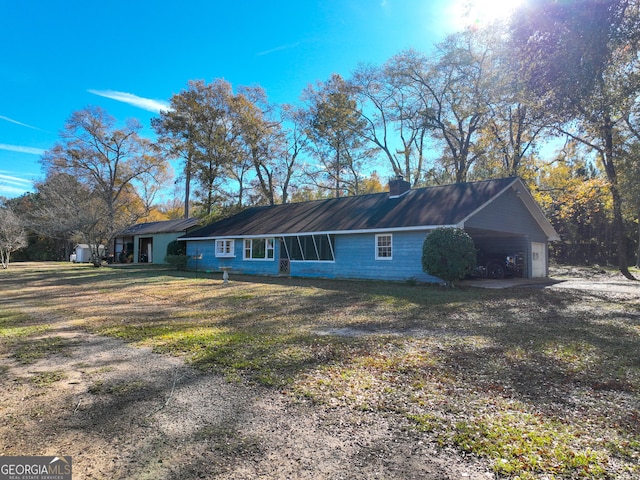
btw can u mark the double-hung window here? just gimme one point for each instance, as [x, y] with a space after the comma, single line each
[259, 249]
[224, 247]
[384, 247]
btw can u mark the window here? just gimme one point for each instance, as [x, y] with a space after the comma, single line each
[384, 244]
[259, 249]
[318, 248]
[224, 248]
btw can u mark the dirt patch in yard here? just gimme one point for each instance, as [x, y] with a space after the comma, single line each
[125, 412]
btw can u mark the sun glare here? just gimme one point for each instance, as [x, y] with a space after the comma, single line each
[469, 13]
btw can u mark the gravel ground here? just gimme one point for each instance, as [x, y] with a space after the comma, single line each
[125, 412]
[594, 280]
[577, 278]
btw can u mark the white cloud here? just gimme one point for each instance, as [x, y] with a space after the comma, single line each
[145, 103]
[21, 149]
[11, 192]
[11, 186]
[11, 180]
[7, 119]
[279, 48]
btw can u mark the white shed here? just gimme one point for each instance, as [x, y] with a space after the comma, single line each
[83, 253]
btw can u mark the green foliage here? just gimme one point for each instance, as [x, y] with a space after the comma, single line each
[46, 379]
[527, 444]
[178, 261]
[448, 253]
[30, 351]
[585, 80]
[177, 248]
[334, 127]
[177, 255]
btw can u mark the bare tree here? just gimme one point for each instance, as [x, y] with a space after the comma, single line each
[295, 143]
[391, 110]
[198, 128]
[514, 121]
[452, 87]
[261, 138]
[110, 162]
[335, 132]
[64, 209]
[12, 235]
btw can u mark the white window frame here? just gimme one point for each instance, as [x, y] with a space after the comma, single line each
[269, 246]
[379, 237]
[225, 248]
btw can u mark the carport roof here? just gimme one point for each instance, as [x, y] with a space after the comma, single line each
[430, 207]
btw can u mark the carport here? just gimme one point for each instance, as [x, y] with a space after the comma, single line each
[510, 224]
[497, 236]
[491, 245]
[494, 246]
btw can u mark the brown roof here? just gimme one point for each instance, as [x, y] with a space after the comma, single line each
[422, 207]
[166, 226]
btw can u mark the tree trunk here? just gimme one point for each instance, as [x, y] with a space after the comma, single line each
[4, 259]
[607, 157]
[187, 184]
[638, 252]
[621, 239]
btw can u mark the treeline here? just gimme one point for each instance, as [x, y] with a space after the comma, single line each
[482, 104]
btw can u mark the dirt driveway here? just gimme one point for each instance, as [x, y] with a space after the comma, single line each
[126, 413]
[610, 285]
[586, 279]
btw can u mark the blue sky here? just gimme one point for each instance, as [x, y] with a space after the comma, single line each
[130, 57]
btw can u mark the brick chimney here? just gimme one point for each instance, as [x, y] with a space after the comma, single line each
[398, 186]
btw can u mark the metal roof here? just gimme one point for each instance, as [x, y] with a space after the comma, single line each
[448, 205]
[167, 226]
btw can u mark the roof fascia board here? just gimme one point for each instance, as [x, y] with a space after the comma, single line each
[334, 232]
[538, 214]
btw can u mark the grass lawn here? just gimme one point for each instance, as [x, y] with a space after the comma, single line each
[542, 383]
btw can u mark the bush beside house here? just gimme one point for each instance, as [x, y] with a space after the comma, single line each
[448, 253]
[177, 255]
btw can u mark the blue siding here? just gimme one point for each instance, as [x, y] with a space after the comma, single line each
[355, 259]
[209, 261]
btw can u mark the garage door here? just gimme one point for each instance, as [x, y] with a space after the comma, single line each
[538, 260]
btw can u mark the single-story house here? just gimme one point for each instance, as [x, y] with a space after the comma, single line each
[147, 242]
[374, 236]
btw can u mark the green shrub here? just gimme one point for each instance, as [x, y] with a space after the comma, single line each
[448, 253]
[178, 261]
[176, 248]
[177, 255]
